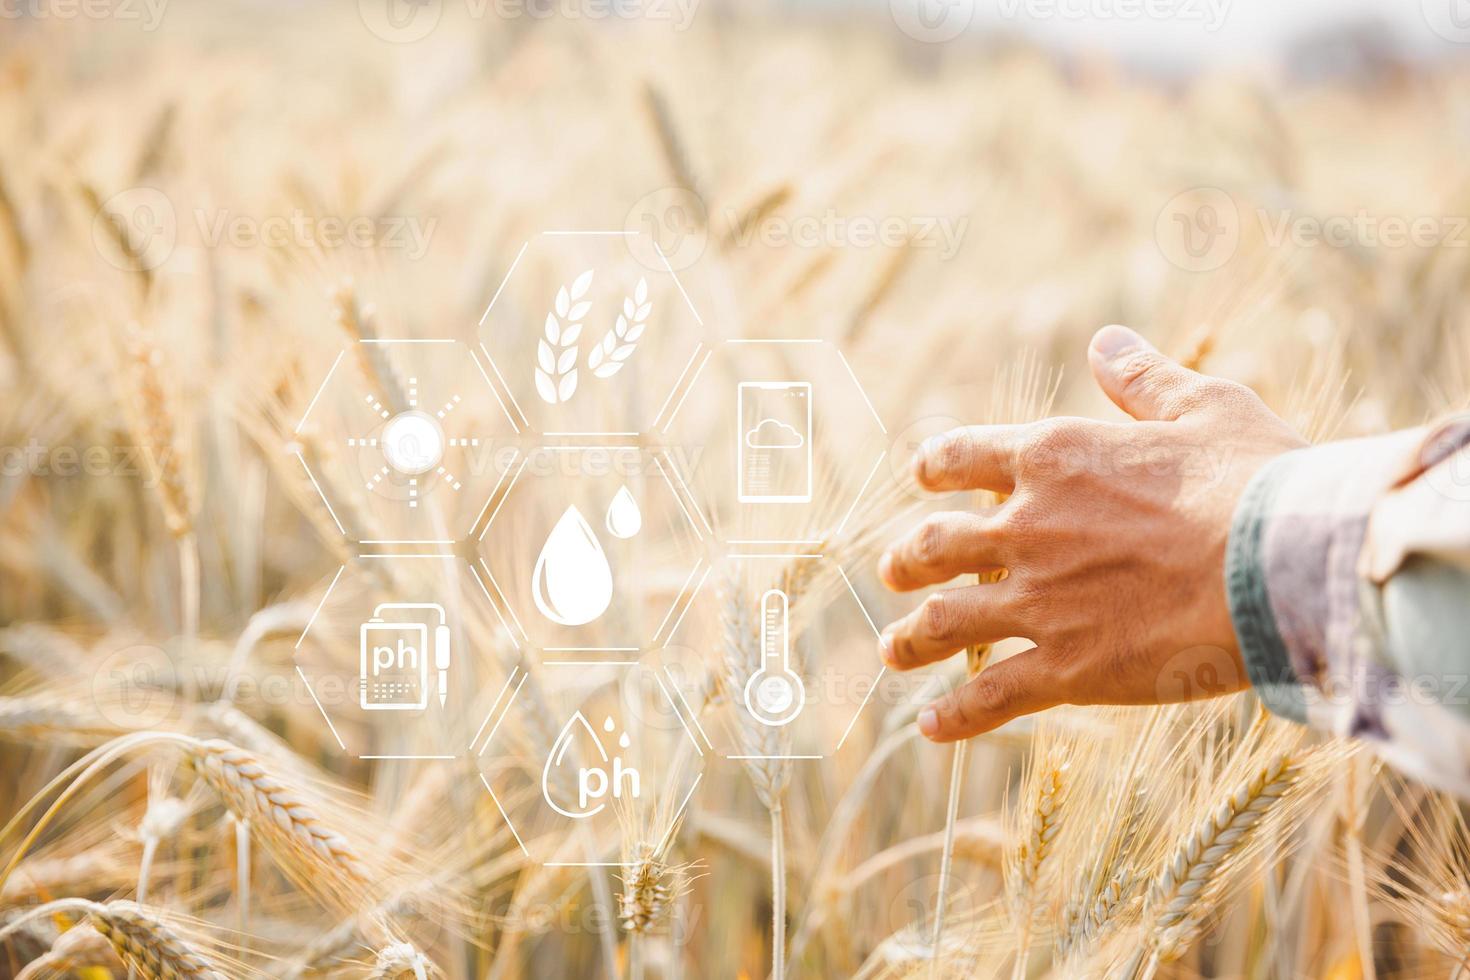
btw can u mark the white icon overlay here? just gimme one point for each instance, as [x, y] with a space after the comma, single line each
[558, 351]
[775, 694]
[394, 659]
[572, 581]
[774, 451]
[592, 782]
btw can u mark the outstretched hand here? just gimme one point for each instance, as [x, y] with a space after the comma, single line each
[1112, 541]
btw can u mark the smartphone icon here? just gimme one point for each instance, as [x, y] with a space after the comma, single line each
[774, 464]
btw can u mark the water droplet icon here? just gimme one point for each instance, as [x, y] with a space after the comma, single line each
[572, 582]
[624, 519]
[560, 771]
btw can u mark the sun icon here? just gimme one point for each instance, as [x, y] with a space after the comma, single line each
[412, 444]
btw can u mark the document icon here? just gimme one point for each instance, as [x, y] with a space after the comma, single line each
[774, 465]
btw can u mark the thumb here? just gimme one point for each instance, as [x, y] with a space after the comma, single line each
[1141, 381]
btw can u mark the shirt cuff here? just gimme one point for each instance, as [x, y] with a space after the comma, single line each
[1267, 663]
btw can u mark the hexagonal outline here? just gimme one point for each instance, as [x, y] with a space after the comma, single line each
[857, 384]
[510, 610]
[323, 387]
[618, 233]
[867, 617]
[505, 815]
[306, 630]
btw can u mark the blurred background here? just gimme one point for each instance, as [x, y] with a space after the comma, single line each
[202, 205]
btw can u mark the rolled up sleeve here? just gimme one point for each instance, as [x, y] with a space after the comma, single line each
[1348, 575]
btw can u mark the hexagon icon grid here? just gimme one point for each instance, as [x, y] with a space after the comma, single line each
[590, 547]
[608, 743]
[581, 329]
[790, 440]
[404, 440]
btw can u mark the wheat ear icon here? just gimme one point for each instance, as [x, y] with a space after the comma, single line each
[557, 350]
[618, 344]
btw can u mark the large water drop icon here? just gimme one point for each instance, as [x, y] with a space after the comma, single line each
[560, 772]
[572, 582]
[624, 519]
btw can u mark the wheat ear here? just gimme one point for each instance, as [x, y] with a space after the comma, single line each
[399, 960]
[283, 817]
[1176, 902]
[151, 949]
[148, 946]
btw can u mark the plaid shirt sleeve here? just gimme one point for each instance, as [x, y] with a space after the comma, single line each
[1348, 575]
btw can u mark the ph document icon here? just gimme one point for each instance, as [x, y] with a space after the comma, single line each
[393, 657]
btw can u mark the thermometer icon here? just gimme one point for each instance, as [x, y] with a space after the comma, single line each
[774, 695]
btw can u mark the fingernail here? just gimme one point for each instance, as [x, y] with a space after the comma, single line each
[929, 722]
[885, 647]
[1113, 341]
[885, 567]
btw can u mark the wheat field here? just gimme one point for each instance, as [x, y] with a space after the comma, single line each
[188, 785]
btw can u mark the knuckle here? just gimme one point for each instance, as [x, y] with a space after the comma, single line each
[1139, 368]
[937, 618]
[992, 695]
[1050, 443]
[952, 457]
[929, 542]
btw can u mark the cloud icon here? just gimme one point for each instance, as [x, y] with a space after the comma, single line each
[774, 434]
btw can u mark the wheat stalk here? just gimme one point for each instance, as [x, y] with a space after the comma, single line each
[557, 350]
[618, 344]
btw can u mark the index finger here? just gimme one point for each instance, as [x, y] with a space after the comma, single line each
[976, 457]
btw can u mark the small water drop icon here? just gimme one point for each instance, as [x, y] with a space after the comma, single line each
[624, 741]
[572, 583]
[624, 519]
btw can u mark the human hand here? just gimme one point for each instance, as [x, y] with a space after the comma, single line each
[1112, 539]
